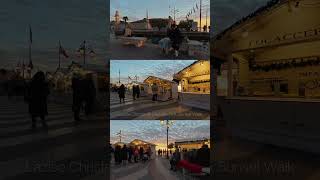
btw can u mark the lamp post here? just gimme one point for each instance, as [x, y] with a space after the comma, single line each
[167, 124]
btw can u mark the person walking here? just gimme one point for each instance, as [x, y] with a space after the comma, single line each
[154, 92]
[134, 92]
[176, 38]
[117, 155]
[121, 92]
[38, 92]
[78, 96]
[124, 155]
[90, 94]
[141, 152]
[136, 154]
[130, 152]
[138, 91]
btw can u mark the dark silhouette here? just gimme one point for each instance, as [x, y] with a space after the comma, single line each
[134, 92]
[175, 160]
[203, 156]
[37, 95]
[138, 91]
[124, 154]
[117, 154]
[90, 95]
[176, 38]
[154, 92]
[78, 97]
[121, 92]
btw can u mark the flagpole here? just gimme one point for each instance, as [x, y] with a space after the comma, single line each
[84, 52]
[200, 14]
[59, 54]
[119, 76]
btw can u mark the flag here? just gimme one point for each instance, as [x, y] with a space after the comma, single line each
[197, 6]
[129, 77]
[194, 10]
[30, 35]
[63, 51]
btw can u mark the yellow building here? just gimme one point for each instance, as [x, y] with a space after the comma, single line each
[273, 76]
[192, 144]
[194, 84]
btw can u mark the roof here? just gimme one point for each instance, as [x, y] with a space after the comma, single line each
[192, 140]
[189, 67]
[159, 79]
[269, 5]
[141, 141]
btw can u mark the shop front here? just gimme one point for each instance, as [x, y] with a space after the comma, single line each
[273, 76]
[194, 85]
[167, 90]
[192, 144]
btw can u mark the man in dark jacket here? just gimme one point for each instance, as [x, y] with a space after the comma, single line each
[176, 38]
[203, 156]
[37, 95]
[78, 96]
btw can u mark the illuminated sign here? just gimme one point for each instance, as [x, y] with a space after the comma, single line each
[288, 37]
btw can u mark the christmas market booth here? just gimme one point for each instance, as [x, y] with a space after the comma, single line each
[192, 144]
[145, 145]
[194, 84]
[167, 90]
[273, 79]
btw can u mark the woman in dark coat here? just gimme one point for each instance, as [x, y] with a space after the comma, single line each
[121, 92]
[37, 98]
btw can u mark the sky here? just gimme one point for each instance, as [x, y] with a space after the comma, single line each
[70, 21]
[136, 9]
[144, 68]
[152, 131]
[227, 12]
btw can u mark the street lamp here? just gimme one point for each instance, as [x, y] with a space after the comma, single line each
[167, 124]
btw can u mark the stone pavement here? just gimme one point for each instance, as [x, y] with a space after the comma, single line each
[64, 151]
[146, 109]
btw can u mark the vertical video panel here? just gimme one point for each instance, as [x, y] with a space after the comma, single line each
[52, 88]
[175, 29]
[149, 149]
[159, 89]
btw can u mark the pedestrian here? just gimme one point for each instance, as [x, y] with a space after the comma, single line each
[170, 152]
[134, 92]
[159, 152]
[37, 95]
[130, 152]
[90, 94]
[176, 38]
[149, 152]
[141, 151]
[203, 156]
[175, 160]
[117, 155]
[77, 89]
[136, 154]
[121, 92]
[124, 154]
[154, 92]
[138, 91]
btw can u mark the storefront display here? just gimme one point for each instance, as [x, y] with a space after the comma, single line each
[194, 84]
[167, 90]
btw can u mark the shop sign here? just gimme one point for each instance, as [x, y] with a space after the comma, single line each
[287, 37]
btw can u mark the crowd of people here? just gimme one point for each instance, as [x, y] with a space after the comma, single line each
[200, 157]
[135, 92]
[131, 154]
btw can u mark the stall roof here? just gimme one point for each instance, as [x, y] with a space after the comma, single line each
[191, 140]
[269, 5]
[179, 74]
[153, 77]
[139, 141]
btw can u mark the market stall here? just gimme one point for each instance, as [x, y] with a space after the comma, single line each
[167, 90]
[194, 85]
[192, 144]
[145, 145]
[273, 94]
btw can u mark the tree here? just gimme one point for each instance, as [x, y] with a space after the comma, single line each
[170, 146]
[125, 18]
[186, 24]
